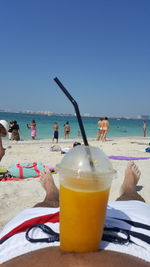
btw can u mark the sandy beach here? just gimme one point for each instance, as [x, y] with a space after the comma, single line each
[18, 195]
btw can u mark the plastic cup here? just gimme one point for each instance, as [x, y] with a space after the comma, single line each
[84, 195]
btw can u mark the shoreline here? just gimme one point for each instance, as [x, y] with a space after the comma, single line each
[25, 193]
[62, 140]
[70, 142]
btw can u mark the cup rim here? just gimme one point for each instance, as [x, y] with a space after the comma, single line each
[64, 169]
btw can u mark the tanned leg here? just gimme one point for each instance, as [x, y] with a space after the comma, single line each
[52, 192]
[128, 188]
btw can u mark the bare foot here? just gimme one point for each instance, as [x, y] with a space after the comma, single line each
[47, 180]
[132, 176]
[133, 170]
[52, 192]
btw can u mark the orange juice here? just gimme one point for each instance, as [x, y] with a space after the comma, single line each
[82, 215]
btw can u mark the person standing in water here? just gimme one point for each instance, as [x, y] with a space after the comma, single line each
[15, 132]
[105, 128]
[11, 124]
[32, 126]
[144, 128]
[55, 137]
[66, 130]
[99, 129]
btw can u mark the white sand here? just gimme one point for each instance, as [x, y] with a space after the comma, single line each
[18, 195]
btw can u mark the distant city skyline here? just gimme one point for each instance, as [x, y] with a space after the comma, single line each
[100, 50]
[50, 113]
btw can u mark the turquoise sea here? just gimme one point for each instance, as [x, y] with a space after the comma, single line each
[118, 127]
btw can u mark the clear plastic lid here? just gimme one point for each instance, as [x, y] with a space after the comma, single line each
[79, 160]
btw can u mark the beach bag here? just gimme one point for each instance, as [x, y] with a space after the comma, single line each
[26, 170]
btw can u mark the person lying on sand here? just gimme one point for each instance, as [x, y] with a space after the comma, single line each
[134, 251]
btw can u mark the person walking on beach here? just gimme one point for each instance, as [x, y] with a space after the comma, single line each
[105, 128]
[127, 243]
[32, 126]
[56, 134]
[66, 130]
[15, 132]
[99, 129]
[3, 132]
[144, 128]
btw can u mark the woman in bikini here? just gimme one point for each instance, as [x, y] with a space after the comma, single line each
[105, 128]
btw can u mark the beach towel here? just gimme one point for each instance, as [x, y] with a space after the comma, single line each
[6, 179]
[127, 158]
[26, 170]
[52, 169]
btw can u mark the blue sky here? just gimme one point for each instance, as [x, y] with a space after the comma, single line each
[99, 49]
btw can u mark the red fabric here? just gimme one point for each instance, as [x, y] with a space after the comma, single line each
[27, 167]
[20, 170]
[5, 179]
[38, 220]
[36, 169]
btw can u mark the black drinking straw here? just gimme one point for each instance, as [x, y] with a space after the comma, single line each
[79, 120]
[76, 109]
